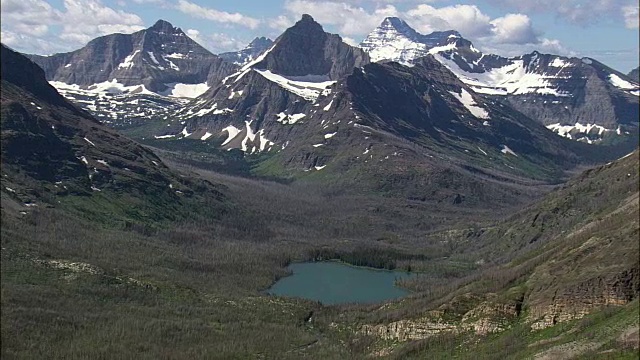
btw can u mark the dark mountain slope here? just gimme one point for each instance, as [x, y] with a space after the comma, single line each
[53, 153]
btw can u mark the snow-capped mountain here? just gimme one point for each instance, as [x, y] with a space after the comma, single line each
[373, 116]
[253, 106]
[395, 40]
[581, 99]
[124, 79]
[249, 53]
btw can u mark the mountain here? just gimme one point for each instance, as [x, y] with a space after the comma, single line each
[325, 55]
[581, 99]
[635, 75]
[56, 154]
[382, 127]
[128, 79]
[249, 53]
[395, 40]
[160, 59]
[292, 74]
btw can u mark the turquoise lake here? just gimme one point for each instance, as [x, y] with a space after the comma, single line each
[337, 283]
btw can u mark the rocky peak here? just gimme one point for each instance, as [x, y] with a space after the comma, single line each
[306, 18]
[306, 49]
[163, 26]
[306, 26]
[260, 42]
[398, 25]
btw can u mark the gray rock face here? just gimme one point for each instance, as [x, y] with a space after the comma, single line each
[635, 75]
[305, 49]
[159, 55]
[249, 53]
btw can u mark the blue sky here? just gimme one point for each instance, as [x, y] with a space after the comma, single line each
[603, 29]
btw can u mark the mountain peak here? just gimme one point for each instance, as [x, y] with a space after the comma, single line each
[394, 21]
[307, 23]
[307, 18]
[396, 40]
[259, 42]
[306, 49]
[163, 26]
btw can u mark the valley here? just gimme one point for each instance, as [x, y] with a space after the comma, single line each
[153, 200]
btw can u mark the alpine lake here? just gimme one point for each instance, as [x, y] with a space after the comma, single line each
[332, 282]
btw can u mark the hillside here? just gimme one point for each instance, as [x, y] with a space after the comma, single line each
[562, 277]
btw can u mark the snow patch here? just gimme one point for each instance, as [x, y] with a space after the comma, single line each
[289, 119]
[467, 100]
[309, 90]
[511, 79]
[176, 56]
[232, 132]
[128, 61]
[622, 84]
[506, 150]
[206, 136]
[326, 108]
[558, 62]
[153, 57]
[330, 135]
[181, 90]
[89, 141]
[185, 133]
[567, 130]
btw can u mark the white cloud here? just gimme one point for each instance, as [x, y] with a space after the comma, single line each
[350, 41]
[80, 21]
[31, 44]
[630, 14]
[198, 11]
[583, 12]
[545, 46]
[281, 23]
[466, 19]
[84, 20]
[514, 29]
[216, 42]
[29, 17]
